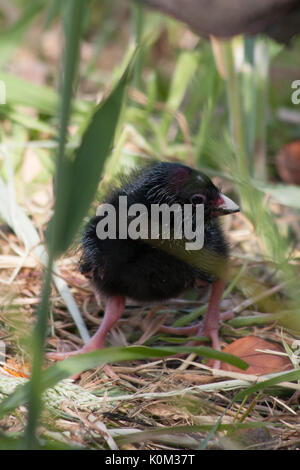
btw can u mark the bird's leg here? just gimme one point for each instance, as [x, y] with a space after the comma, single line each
[113, 311]
[210, 325]
[192, 330]
[184, 330]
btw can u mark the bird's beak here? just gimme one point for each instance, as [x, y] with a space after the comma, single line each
[225, 205]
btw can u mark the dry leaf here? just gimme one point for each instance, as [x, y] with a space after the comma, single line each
[288, 162]
[260, 363]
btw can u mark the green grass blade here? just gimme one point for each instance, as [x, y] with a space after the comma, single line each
[186, 66]
[35, 386]
[74, 17]
[28, 122]
[77, 364]
[150, 434]
[286, 194]
[85, 171]
[286, 376]
[42, 98]
[73, 25]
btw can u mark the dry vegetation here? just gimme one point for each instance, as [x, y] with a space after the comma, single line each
[151, 403]
[104, 407]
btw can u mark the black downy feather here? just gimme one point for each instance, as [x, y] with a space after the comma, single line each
[155, 270]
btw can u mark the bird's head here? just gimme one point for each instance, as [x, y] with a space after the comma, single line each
[184, 185]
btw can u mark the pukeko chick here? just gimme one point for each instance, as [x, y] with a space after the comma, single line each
[157, 269]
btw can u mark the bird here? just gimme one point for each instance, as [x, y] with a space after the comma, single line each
[278, 19]
[155, 268]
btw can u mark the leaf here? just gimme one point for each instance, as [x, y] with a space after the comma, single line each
[82, 362]
[288, 162]
[26, 121]
[286, 194]
[151, 434]
[73, 19]
[260, 363]
[41, 98]
[81, 176]
[184, 71]
[287, 376]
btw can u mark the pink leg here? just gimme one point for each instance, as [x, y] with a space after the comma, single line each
[191, 330]
[210, 325]
[113, 311]
[185, 330]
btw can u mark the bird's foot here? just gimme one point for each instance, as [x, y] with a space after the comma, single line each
[194, 329]
[213, 335]
[92, 345]
[60, 356]
[185, 330]
[200, 330]
[113, 311]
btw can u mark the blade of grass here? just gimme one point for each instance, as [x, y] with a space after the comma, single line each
[184, 71]
[292, 375]
[86, 169]
[137, 17]
[151, 433]
[74, 17]
[35, 386]
[286, 194]
[215, 428]
[73, 24]
[41, 98]
[262, 87]
[28, 122]
[77, 364]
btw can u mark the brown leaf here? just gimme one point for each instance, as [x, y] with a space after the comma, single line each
[288, 162]
[260, 363]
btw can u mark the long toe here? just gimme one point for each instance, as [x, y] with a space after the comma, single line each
[60, 356]
[213, 334]
[185, 330]
[192, 330]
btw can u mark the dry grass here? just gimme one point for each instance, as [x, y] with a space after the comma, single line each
[145, 404]
[129, 405]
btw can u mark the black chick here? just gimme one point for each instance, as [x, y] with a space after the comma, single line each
[148, 270]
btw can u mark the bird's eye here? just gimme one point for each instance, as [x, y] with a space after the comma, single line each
[198, 199]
